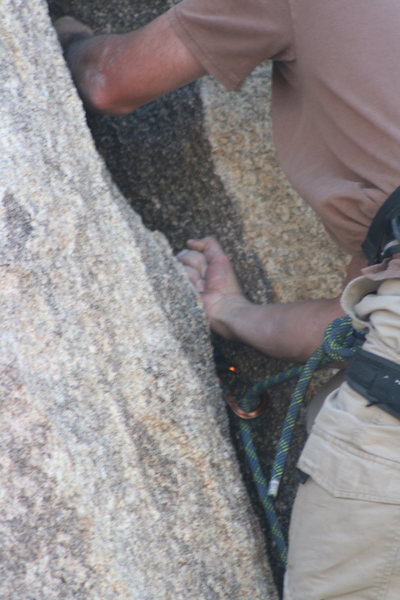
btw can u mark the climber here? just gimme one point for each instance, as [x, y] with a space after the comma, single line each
[337, 131]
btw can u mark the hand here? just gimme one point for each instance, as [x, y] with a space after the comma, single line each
[117, 73]
[291, 331]
[211, 273]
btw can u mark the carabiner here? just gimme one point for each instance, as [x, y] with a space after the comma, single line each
[265, 399]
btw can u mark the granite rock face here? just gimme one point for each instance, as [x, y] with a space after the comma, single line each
[201, 161]
[118, 479]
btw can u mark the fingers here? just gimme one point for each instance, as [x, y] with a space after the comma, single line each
[208, 245]
[210, 249]
[195, 260]
[195, 268]
[195, 279]
[197, 244]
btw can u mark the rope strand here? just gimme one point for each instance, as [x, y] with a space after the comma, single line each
[339, 345]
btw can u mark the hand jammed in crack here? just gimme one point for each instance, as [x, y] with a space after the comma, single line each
[117, 73]
[211, 273]
[275, 329]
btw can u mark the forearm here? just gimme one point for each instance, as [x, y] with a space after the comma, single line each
[291, 331]
[118, 73]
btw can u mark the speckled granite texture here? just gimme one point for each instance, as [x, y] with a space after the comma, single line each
[118, 479]
[201, 160]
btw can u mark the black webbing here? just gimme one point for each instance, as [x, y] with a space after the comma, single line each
[381, 228]
[377, 379]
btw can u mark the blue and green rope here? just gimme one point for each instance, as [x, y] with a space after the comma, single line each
[339, 345]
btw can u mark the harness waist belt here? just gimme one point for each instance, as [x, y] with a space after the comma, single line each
[377, 379]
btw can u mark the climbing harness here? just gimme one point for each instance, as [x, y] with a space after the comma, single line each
[340, 344]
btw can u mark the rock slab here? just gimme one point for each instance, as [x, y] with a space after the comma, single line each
[117, 478]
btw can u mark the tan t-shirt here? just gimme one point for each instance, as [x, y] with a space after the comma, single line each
[336, 93]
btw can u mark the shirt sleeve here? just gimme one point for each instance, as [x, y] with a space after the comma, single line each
[231, 37]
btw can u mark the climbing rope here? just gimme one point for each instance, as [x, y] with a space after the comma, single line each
[339, 345]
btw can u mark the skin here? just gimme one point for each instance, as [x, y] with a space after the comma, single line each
[117, 73]
[276, 329]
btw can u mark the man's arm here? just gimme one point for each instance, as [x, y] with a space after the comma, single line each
[117, 73]
[291, 331]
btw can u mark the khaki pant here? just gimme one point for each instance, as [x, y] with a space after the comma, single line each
[344, 541]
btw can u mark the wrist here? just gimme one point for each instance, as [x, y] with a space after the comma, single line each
[227, 317]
